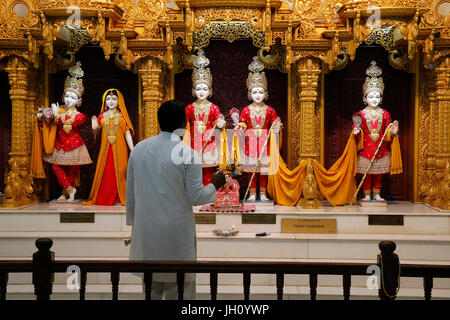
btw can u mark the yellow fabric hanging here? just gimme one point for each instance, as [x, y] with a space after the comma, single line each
[187, 135]
[49, 131]
[396, 157]
[336, 184]
[224, 157]
[396, 154]
[44, 141]
[37, 168]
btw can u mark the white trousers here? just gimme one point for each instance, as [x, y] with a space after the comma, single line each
[169, 290]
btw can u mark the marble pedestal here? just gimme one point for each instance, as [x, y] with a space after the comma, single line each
[423, 237]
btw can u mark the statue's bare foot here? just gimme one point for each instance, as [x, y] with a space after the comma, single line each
[252, 197]
[263, 197]
[377, 197]
[366, 197]
[62, 197]
[72, 194]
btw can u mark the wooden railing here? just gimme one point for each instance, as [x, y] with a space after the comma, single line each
[43, 266]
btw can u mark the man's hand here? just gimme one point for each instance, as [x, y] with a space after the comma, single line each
[218, 180]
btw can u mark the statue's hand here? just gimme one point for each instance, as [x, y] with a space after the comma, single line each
[394, 129]
[355, 131]
[55, 109]
[220, 122]
[39, 113]
[94, 123]
[277, 125]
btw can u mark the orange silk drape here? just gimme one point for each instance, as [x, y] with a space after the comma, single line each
[337, 184]
[42, 142]
[120, 152]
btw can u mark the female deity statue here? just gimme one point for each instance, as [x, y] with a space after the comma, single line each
[203, 117]
[64, 147]
[109, 186]
[369, 126]
[256, 119]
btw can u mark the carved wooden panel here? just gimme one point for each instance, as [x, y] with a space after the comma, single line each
[99, 75]
[343, 97]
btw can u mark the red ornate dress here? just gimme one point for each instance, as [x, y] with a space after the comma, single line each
[257, 126]
[373, 127]
[70, 151]
[201, 122]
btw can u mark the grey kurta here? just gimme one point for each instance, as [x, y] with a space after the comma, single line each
[164, 181]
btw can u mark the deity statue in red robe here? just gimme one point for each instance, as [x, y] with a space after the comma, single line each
[204, 118]
[256, 120]
[369, 126]
[63, 145]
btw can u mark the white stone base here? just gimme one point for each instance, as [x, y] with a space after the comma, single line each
[424, 237]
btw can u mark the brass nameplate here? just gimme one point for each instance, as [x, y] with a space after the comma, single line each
[385, 220]
[322, 226]
[205, 218]
[259, 218]
[77, 217]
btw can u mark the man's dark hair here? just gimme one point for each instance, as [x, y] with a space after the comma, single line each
[171, 115]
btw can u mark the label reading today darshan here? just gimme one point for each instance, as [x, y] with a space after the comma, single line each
[308, 225]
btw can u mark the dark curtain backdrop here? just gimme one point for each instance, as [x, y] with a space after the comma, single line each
[343, 97]
[5, 126]
[229, 68]
[99, 75]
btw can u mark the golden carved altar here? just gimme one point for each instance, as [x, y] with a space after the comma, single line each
[304, 39]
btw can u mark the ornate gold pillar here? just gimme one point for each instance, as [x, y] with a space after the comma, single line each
[308, 70]
[442, 156]
[151, 72]
[18, 180]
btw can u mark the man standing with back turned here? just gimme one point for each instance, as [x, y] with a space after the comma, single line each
[164, 181]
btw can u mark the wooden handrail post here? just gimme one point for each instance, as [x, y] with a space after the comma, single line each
[42, 269]
[3, 285]
[389, 265]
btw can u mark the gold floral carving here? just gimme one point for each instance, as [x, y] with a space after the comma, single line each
[229, 31]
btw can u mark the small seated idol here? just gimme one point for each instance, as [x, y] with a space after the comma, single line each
[228, 195]
[256, 120]
[203, 117]
[369, 127]
[109, 186]
[63, 144]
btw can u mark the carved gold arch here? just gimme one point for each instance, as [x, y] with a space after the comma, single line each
[313, 37]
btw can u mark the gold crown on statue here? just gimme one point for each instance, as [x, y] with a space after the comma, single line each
[256, 76]
[374, 81]
[74, 82]
[201, 74]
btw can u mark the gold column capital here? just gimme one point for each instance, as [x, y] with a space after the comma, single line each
[151, 73]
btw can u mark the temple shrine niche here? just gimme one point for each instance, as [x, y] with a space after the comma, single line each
[313, 53]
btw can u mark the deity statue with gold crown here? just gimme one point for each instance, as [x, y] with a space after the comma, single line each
[109, 186]
[256, 120]
[203, 118]
[64, 147]
[373, 129]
